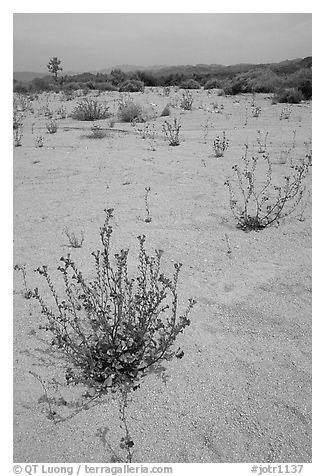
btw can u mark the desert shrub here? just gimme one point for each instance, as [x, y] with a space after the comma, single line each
[190, 84]
[220, 145]
[147, 78]
[171, 131]
[261, 206]
[306, 89]
[132, 86]
[290, 95]
[186, 101]
[52, 126]
[106, 86]
[117, 77]
[165, 111]
[97, 132]
[302, 81]
[44, 84]
[72, 86]
[238, 85]
[263, 80]
[21, 88]
[130, 111]
[90, 110]
[213, 83]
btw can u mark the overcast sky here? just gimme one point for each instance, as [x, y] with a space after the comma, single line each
[92, 41]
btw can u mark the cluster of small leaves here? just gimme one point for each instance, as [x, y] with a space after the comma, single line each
[171, 131]
[260, 207]
[186, 101]
[113, 328]
[220, 145]
[90, 110]
[52, 126]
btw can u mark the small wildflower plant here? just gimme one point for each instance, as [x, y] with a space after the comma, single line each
[220, 145]
[74, 241]
[111, 330]
[260, 206]
[256, 111]
[285, 113]
[171, 131]
[52, 126]
[97, 132]
[262, 141]
[186, 101]
[90, 110]
[22, 269]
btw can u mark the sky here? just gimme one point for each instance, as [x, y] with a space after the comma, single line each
[94, 41]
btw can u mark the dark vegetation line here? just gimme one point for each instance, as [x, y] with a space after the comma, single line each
[290, 80]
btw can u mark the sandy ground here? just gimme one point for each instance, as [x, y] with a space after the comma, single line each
[242, 392]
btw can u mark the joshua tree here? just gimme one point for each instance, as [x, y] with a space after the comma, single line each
[54, 67]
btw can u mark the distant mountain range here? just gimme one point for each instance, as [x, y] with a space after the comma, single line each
[283, 67]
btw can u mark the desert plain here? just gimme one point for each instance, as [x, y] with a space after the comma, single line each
[242, 391]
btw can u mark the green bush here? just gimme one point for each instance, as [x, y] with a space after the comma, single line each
[190, 84]
[290, 95]
[256, 206]
[90, 110]
[305, 88]
[132, 86]
[264, 81]
[22, 88]
[106, 86]
[44, 84]
[112, 329]
[213, 83]
[72, 86]
[130, 111]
